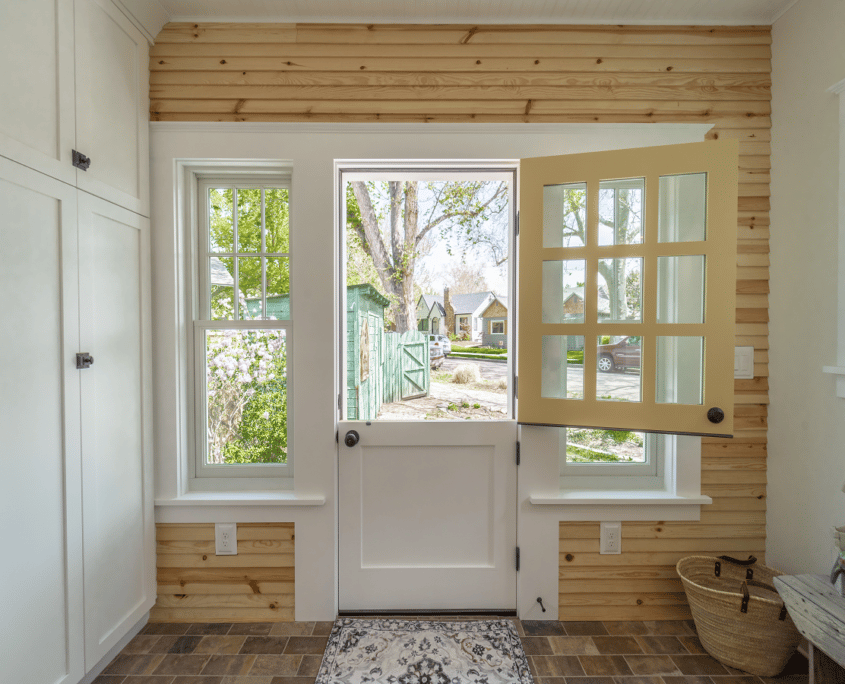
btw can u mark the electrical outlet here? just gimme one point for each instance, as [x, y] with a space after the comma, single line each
[226, 539]
[611, 537]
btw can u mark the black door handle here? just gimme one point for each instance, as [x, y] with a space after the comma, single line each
[351, 438]
[715, 415]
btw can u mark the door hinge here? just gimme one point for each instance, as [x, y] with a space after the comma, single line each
[518, 457]
[517, 559]
[516, 225]
[80, 161]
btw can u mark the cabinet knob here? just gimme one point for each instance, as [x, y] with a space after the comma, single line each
[351, 438]
[84, 360]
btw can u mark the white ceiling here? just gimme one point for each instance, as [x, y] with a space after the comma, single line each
[716, 12]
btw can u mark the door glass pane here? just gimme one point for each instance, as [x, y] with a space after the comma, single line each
[680, 370]
[563, 367]
[249, 220]
[621, 211]
[680, 289]
[277, 220]
[565, 215]
[618, 376]
[584, 445]
[246, 396]
[620, 292]
[220, 228]
[435, 345]
[683, 208]
[249, 285]
[278, 289]
[222, 283]
[563, 291]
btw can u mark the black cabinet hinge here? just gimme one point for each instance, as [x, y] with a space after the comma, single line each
[80, 161]
[517, 559]
[518, 456]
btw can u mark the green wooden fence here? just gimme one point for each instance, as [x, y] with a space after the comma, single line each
[381, 367]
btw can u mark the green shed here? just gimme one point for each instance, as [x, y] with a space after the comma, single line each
[364, 351]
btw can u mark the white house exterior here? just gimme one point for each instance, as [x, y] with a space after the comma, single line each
[432, 313]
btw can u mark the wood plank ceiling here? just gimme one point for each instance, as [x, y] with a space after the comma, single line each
[539, 73]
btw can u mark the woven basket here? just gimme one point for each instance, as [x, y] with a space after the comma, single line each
[740, 618]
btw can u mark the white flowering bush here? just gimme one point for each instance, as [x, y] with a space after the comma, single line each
[246, 388]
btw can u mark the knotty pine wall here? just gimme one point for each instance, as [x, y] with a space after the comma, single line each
[194, 585]
[533, 74]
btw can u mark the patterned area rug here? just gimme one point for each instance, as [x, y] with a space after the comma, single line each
[418, 652]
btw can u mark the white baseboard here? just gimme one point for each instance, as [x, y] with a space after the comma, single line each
[95, 671]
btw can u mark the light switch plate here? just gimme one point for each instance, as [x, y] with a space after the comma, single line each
[744, 363]
[226, 539]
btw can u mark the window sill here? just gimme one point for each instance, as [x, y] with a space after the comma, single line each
[253, 498]
[623, 506]
[618, 498]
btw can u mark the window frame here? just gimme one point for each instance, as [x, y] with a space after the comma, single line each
[494, 323]
[232, 476]
[614, 476]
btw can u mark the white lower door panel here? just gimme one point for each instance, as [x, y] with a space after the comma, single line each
[428, 516]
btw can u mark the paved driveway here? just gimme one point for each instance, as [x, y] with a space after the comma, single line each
[624, 385]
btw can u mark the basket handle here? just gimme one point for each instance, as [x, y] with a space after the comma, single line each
[749, 573]
[751, 560]
[746, 597]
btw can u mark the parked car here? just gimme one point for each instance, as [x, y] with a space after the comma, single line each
[442, 342]
[619, 355]
[436, 358]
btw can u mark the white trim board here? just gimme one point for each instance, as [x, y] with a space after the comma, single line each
[313, 150]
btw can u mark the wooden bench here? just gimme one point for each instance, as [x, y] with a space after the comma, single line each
[818, 611]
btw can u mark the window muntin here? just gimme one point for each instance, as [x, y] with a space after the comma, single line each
[242, 332]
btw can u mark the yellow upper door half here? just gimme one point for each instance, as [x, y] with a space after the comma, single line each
[627, 281]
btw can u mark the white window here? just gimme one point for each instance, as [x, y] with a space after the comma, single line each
[242, 330]
[497, 327]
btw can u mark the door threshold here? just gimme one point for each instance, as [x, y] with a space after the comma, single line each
[429, 613]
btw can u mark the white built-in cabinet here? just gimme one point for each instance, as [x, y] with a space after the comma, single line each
[77, 560]
[76, 77]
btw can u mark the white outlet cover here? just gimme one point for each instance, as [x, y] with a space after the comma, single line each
[226, 539]
[610, 538]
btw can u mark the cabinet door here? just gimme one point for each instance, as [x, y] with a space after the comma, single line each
[37, 110]
[40, 488]
[112, 105]
[116, 432]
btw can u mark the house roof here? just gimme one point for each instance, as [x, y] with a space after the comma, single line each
[462, 303]
[501, 299]
[604, 299]
[220, 274]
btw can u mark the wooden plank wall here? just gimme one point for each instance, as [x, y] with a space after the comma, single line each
[195, 585]
[533, 74]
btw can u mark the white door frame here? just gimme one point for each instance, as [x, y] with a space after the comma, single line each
[499, 453]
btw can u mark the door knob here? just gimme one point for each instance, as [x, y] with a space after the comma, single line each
[715, 415]
[351, 438]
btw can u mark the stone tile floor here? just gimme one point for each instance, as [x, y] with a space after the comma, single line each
[663, 652]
